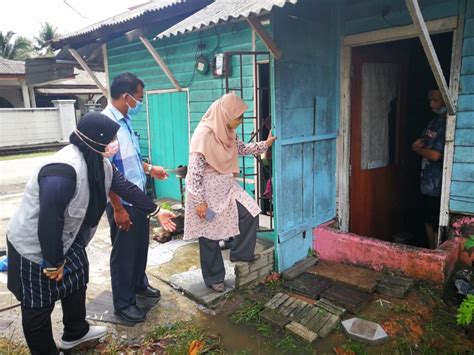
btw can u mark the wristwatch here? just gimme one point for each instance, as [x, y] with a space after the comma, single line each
[148, 169]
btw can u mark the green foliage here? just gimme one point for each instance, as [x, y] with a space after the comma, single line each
[14, 47]
[46, 35]
[466, 311]
[356, 347]
[469, 244]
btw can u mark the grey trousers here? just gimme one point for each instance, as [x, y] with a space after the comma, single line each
[212, 264]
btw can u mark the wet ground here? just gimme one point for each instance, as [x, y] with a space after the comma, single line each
[421, 323]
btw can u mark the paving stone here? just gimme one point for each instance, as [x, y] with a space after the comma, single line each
[299, 268]
[394, 286]
[192, 284]
[302, 313]
[365, 331]
[329, 326]
[311, 314]
[319, 320]
[289, 309]
[330, 307]
[299, 306]
[274, 317]
[308, 284]
[347, 297]
[276, 300]
[363, 279]
[302, 332]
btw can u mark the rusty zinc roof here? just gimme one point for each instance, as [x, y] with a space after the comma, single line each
[222, 11]
[11, 67]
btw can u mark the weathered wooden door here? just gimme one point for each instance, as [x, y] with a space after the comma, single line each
[169, 137]
[377, 103]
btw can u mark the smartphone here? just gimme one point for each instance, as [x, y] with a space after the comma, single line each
[210, 214]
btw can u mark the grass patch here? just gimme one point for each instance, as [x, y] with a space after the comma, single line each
[176, 339]
[27, 155]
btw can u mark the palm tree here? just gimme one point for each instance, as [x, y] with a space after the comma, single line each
[14, 47]
[43, 42]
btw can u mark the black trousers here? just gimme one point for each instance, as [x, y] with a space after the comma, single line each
[37, 323]
[243, 248]
[129, 257]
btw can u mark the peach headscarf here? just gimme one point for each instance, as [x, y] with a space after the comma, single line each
[213, 139]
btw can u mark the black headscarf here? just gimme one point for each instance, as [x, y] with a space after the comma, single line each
[99, 128]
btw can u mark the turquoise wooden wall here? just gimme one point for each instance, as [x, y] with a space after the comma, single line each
[306, 116]
[180, 53]
[462, 186]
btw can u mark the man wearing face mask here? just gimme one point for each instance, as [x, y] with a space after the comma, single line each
[431, 148]
[129, 227]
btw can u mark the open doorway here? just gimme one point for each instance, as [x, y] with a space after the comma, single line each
[389, 111]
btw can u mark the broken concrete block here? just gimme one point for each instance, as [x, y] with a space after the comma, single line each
[300, 267]
[394, 286]
[365, 331]
[302, 332]
[274, 317]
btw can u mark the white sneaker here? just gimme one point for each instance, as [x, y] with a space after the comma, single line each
[95, 332]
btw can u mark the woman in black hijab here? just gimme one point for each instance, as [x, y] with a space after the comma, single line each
[62, 204]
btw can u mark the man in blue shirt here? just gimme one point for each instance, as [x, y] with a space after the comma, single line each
[129, 227]
[431, 148]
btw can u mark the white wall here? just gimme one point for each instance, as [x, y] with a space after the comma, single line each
[39, 125]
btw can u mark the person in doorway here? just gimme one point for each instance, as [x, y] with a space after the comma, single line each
[430, 146]
[129, 227]
[60, 210]
[216, 206]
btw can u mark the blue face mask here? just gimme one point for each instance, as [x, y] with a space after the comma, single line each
[134, 110]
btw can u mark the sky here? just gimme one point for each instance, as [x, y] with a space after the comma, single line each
[24, 17]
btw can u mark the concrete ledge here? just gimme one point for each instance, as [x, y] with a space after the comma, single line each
[431, 265]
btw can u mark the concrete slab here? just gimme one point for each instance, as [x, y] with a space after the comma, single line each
[394, 286]
[365, 331]
[363, 279]
[302, 332]
[299, 268]
[192, 284]
[347, 297]
[308, 284]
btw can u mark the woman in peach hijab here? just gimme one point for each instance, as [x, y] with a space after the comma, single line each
[216, 206]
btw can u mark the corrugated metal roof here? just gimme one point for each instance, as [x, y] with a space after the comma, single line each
[151, 6]
[11, 67]
[222, 11]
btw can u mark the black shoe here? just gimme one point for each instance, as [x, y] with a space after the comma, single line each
[132, 314]
[255, 257]
[149, 292]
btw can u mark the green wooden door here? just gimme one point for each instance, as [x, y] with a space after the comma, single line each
[169, 137]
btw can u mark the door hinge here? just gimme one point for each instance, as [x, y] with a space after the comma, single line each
[304, 234]
[278, 238]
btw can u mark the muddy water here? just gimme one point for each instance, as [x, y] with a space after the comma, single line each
[246, 339]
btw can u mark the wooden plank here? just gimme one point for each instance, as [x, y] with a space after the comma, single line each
[274, 317]
[106, 69]
[466, 102]
[309, 285]
[301, 331]
[299, 268]
[399, 32]
[462, 189]
[349, 298]
[467, 65]
[465, 137]
[465, 119]
[424, 35]
[463, 172]
[92, 75]
[461, 205]
[256, 25]
[464, 155]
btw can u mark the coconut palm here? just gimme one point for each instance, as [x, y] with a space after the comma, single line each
[14, 47]
[43, 42]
